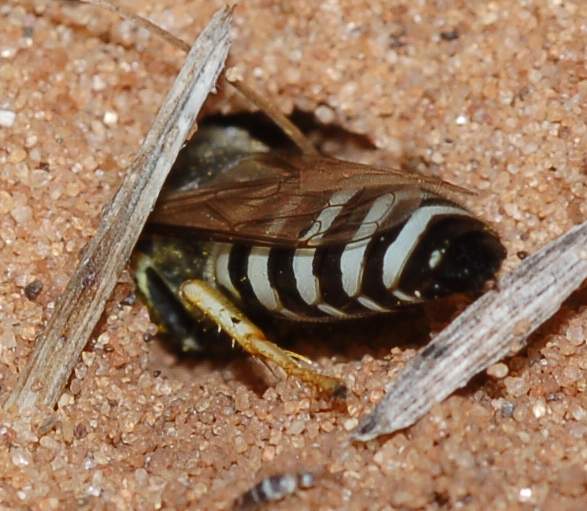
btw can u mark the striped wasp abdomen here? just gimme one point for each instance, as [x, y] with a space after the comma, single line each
[304, 237]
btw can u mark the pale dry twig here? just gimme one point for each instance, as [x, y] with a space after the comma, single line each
[79, 308]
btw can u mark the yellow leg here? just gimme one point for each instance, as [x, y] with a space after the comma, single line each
[299, 357]
[219, 309]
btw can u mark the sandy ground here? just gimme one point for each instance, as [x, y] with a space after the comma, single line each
[490, 95]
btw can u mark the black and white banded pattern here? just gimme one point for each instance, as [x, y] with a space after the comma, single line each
[336, 281]
[274, 488]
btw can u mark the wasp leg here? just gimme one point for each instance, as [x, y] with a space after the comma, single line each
[297, 356]
[218, 308]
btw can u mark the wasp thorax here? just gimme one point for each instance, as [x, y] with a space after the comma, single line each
[455, 255]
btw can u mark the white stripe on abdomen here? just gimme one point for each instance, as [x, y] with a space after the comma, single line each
[258, 275]
[353, 256]
[221, 258]
[307, 283]
[398, 253]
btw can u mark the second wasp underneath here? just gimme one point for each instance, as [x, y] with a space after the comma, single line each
[242, 228]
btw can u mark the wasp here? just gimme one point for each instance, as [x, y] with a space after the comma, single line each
[243, 228]
[274, 488]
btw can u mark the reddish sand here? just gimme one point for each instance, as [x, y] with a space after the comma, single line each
[489, 95]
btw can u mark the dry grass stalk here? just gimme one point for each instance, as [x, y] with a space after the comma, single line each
[495, 326]
[231, 76]
[79, 308]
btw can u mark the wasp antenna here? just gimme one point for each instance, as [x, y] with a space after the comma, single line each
[290, 129]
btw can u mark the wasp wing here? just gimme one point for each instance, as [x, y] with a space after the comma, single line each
[296, 201]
